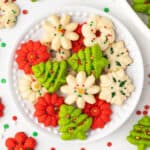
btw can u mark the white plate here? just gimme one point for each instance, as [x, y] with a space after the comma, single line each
[135, 71]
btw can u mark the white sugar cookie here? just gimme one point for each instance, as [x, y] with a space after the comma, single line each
[116, 87]
[117, 56]
[30, 89]
[9, 12]
[59, 31]
[98, 30]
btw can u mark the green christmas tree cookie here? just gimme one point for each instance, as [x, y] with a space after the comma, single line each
[51, 74]
[73, 123]
[140, 135]
[89, 60]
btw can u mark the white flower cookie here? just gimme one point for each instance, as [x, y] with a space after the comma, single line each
[60, 32]
[80, 90]
[9, 12]
[98, 30]
[117, 56]
[115, 87]
[30, 89]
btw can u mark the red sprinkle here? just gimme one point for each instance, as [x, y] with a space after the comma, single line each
[25, 11]
[52, 148]
[138, 112]
[82, 148]
[14, 118]
[146, 107]
[149, 75]
[145, 112]
[109, 144]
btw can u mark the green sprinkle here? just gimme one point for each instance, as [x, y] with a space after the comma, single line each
[3, 81]
[3, 44]
[122, 83]
[118, 63]
[111, 50]
[122, 93]
[6, 126]
[113, 94]
[108, 66]
[14, 12]
[114, 79]
[106, 9]
[35, 134]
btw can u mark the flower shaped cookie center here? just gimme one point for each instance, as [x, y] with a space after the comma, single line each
[60, 29]
[95, 111]
[80, 90]
[35, 86]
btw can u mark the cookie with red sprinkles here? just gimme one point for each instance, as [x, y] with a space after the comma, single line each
[20, 142]
[100, 112]
[47, 108]
[31, 53]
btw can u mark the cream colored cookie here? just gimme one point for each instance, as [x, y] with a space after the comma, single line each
[62, 54]
[115, 87]
[118, 57]
[9, 12]
[30, 89]
[80, 89]
[98, 30]
[59, 31]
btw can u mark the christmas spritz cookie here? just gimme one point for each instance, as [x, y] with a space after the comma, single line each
[118, 57]
[9, 12]
[100, 113]
[115, 87]
[31, 53]
[80, 89]
[140, 135]
[73, 123]
[21, 141]
[47, 109]
[90, 60]
[62, 54]
[98, 30]
[51, 74]
[30, 89]
[59, 31]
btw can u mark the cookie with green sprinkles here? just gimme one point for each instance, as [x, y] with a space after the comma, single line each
[90, 60]
[51, 74]
[73, 123]
[140, 134]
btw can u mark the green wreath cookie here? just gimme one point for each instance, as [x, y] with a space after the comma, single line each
[140, 135]
[73, 123]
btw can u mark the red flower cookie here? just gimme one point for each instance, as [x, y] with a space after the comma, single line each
[31, 53]
[1, 108]
[78, 45]
[100, 112]
[20, 142]
[47, 108]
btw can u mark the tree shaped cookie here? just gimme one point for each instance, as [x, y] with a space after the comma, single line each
[115, 87]
[73, 123]
[140, 135]
[9, 12]
[89, 60]
[51, 74]
[118, 57]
